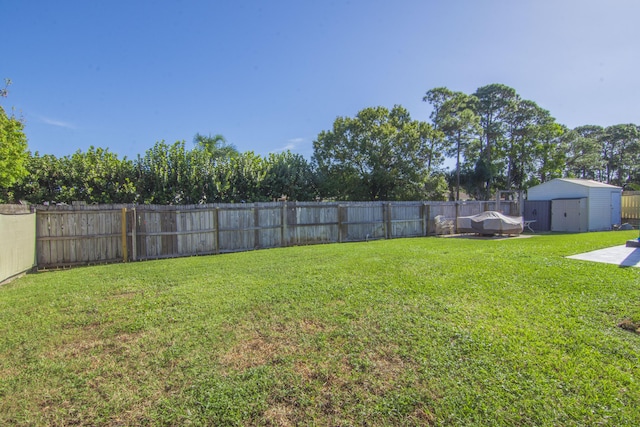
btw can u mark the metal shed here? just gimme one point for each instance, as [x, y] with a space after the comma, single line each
[579, 204]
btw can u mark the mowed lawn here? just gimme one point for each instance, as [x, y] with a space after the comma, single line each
[424, 331]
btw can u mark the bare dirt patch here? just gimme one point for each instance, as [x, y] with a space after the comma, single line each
[261, 346]
[280, 415]
[630, 325]
[124, 295]
[251, 353]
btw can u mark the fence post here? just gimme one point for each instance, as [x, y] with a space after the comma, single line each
[125, 256]
[386, 217]
[455, 220]
[134, 226]
[283, 221]
[256, 225]
[425, 218]
[216, 228]
[340, 222]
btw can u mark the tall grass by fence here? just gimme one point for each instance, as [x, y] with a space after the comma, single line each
[17, 240]
[76, 235]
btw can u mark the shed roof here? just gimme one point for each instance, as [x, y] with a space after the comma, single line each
[586, 183]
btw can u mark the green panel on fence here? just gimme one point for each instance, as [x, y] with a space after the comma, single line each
[20, 255]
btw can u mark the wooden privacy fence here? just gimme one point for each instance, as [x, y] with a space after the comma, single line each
[76, 235]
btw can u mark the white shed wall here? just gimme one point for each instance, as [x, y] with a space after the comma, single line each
[600, 209]
[556, 189]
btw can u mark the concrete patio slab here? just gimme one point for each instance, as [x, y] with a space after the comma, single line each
[620, 255]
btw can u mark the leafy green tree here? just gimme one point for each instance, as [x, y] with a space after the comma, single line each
[494, 103]
[377, 155]
[97, 176]
[5, 91]
[527, 126]
[161, 174]
[216, 145]
[438, 144]
[42, 183]
[481, 175]
[435, 188]
[620, 146]
[584, 152]
[244, 175]
[171, 174]
[13, 151]
[551, 153]
[454, 117]
[290, 175]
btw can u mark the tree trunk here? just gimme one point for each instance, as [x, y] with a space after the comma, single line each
[458, 169]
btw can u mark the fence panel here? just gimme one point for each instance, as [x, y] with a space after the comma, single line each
[236, 229]
[363, 221]
[66, 238]
[468, 209]
[196, 232]
[270, 227]
[406, 220]
[150, 235]
[309, 224]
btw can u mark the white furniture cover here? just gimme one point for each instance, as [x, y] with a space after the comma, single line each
[490, 222]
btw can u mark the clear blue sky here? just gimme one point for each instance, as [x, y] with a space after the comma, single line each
[270, 75]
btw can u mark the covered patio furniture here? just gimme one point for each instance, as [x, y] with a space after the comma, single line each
[490, 222]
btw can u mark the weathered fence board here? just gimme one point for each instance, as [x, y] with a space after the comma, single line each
[88, 234]
[311, 223]
[364, 222]
[66, 238]
[270, 225]
[406, 221]
[236, 229]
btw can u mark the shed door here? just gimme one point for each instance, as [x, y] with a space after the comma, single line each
[616, 207]
[569, 215]
[540, 212]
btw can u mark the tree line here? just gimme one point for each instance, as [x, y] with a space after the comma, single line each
[495, 139]
[501, 141]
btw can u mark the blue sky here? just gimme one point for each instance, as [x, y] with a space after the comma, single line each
[271, 75]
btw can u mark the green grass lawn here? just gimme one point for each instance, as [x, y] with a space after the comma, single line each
[425, 331]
